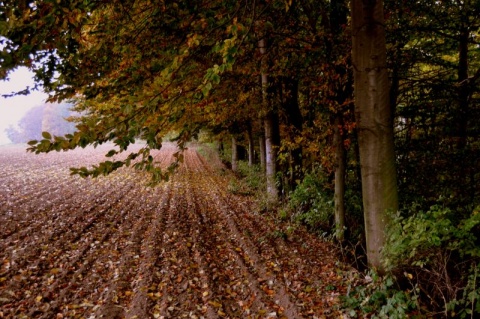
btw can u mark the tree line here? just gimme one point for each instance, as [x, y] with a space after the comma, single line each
[377, 100]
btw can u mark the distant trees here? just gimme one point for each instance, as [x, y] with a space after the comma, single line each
[50, 117]
[29, 126]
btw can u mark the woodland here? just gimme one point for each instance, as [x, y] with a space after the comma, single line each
[359, 119]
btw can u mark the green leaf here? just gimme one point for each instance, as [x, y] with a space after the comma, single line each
[111, 153]
[215, 78]
[46, 135]
[207, 88]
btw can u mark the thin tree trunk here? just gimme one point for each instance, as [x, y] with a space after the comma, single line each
[339, 179]
[261, 144]
[342, 93]
[251, 148]
[234, 155]
[271, 158]
[220, 147]
[270, 136]
[375, 131]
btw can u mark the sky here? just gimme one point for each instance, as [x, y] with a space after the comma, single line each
[12, 109]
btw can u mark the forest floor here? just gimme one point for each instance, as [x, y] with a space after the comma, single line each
[113, 248]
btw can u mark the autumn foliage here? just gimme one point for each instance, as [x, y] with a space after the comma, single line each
[292, 83]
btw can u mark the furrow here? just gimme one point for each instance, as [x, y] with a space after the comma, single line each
[274, 287]
[145, 293]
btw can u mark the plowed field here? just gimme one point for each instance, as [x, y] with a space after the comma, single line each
[113, 248]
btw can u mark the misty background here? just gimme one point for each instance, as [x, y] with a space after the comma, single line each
[24, 117]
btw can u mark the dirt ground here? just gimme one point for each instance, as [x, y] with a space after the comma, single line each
[113, 248]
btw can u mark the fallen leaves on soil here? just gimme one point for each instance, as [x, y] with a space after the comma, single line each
[113, 248]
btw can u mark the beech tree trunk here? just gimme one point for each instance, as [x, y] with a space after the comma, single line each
[271, 158]
[234, 155]
[374, 124]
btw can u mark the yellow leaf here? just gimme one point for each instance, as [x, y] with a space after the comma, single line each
[39, 298]
[54, 271]
[215, 304]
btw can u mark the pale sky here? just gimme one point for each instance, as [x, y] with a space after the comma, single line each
[12, 109]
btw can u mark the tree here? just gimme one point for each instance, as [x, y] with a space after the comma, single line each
[269, 124]
[29, 126]
[50, 117]
[374, 123]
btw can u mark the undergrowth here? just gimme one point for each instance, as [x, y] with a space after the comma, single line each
[380, 297]
[248, 180]
[432, 260]
[440, 250]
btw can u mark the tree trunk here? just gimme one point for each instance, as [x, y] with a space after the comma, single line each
[270, 132]
[234, 155]
[251, 148]
[261, 144]
[339, 179]
[374, 123]
[343, 91]
[271, 158]
[220, 147]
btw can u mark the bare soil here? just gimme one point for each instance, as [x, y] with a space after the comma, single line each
[113, 248]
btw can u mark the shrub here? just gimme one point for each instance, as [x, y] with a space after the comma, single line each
[311, 203]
